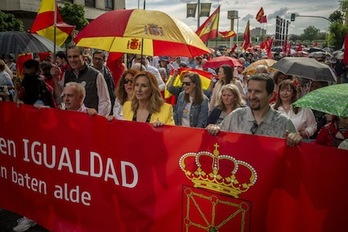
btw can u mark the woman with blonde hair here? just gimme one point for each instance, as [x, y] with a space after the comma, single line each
[229, 100]
[147, 104]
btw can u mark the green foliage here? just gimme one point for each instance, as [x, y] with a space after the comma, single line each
[337, 33]
[74, 15]
[310, 33]
[9, 23]
[337, 16]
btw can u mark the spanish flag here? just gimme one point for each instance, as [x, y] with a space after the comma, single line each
[247, 41]
[204, 76]
[45, 22]
[227, 34]
[209, 29]
[260, 16]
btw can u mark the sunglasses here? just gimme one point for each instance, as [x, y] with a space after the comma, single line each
[186, 83]
[126, 81]
[253, 129]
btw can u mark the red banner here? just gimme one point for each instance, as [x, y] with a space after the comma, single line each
[76, 172]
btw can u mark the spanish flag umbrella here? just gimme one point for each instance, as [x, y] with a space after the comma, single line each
[138, 31]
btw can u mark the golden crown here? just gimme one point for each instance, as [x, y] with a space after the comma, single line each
[221, 173]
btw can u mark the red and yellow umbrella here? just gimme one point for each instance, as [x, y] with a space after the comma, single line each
[137, 31]
[251, 69]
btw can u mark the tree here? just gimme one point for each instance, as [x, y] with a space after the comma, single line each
[337, 30]
[337, 33]
[310, 33]
[74, 15]
[10, 23]
[337, 16]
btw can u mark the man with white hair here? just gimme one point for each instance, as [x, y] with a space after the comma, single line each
[73, 96]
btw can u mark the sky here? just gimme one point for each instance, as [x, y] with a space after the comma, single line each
[247, 9]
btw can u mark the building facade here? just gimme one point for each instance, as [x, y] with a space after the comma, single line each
[26, 10]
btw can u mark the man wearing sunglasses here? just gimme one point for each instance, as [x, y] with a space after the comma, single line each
[259, 118]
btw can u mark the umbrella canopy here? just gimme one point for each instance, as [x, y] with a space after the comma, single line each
[222, 60]
[251, 69]
[16, 42]
[139, 31]
[331, 99]
[305, 67]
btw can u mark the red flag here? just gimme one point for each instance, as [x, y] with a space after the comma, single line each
[247, 41]
[20, 61]
[67, 183]
[285, 47]
[268, 46]
[44, 23]
[345, 57]
[209, 29]
[299, 48]
[234, 47]
[263, 19]
[260, 16]
[227, 34]
[289, 48]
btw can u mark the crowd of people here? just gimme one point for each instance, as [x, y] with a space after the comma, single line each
[259, 104]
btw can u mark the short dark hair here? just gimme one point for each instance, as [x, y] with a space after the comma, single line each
[61, 55]
[32, 64]
[99, 52]
[266, 78]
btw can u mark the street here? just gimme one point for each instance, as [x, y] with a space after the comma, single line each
[8, 220]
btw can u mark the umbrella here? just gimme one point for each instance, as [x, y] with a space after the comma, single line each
[305, 67]
[16, 42]
[222, 60]
[251, 69]
[331, 99]
[137, 31]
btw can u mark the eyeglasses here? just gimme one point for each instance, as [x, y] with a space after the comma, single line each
[186, 83]
[253, 129]
[126, 81]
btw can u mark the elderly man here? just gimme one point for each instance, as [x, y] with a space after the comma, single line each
[73, 96]
[97, 94]
[259, 118]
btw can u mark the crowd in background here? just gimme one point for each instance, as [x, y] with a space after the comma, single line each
[83, 80]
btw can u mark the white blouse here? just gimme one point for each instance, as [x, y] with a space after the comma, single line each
[303, 120]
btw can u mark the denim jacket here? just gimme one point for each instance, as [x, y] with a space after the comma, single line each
[198, 113]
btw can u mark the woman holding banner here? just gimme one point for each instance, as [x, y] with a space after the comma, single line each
[191, 109]
[147, 104]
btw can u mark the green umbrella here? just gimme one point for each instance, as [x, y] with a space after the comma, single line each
[332, 99]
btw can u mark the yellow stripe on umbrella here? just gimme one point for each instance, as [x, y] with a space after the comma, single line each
[158, 33]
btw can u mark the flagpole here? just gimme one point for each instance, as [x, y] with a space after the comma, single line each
[198, 13]
[55, 28]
